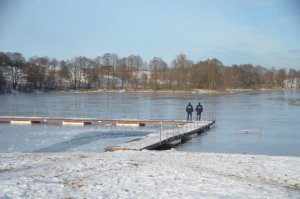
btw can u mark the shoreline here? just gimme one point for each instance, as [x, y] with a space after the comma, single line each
[148, 174]
[195, 91]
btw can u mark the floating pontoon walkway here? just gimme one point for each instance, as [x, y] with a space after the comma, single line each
[164, 138]
[160, 140]
[84, 121]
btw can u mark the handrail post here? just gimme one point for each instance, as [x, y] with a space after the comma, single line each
[173, 131]
[160, 131]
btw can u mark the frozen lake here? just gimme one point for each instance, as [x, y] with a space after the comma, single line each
[277, 114]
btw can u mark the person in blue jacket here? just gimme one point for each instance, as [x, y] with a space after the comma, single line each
[189, 109]
[199, 110]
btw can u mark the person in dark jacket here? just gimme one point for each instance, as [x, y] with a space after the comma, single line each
[199, 110]
[189, 109]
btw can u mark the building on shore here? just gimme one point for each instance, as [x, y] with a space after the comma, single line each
[293, 83]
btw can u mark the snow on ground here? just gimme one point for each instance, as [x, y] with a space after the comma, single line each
[147, 174]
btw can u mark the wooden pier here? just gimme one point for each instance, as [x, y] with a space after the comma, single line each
[161, 139]
[164, 138]
[85, 121]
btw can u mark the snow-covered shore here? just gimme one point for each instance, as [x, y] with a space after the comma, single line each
[147, 174]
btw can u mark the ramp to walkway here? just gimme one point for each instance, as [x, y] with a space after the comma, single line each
[164, 138]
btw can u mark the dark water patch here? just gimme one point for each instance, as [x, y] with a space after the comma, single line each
[281, 99]
[294, 102]
[291, 101]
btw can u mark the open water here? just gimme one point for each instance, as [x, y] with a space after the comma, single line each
[272, 118]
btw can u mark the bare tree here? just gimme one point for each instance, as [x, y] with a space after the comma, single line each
[64, 74]
[214, 71]
[207, 75]
[114, 63]
[36, 71]
[123, 72]
[98, 74]
[4, 60]
[135, 64]
[85, 64]
[109, 65]
[75, 71]
[269, 78]
[181, 64]
[280, 77]
[106, 71]
[93, 76]
[80, 68]
[229, 78]
[172, 78]
[15, 66]
[52, 78]
[292, 74]
[158, 68]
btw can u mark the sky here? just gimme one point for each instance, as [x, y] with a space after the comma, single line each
[259, 32]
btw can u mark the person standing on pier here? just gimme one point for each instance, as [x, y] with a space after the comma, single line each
[189, 109]
[199, 110]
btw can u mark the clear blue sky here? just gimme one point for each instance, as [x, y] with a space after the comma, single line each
[234, 31]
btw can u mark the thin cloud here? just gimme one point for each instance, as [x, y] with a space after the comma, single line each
[295, 51]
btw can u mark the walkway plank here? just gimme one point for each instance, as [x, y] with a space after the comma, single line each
[163, 138]
[140, 122]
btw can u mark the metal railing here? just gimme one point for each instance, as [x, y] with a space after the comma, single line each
[182, 129]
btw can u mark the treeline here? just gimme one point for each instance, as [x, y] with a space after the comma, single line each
[113, 72]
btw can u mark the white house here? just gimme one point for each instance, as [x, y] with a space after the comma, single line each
[292, 83]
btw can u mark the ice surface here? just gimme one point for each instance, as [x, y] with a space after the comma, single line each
[275, 113]
[148, 174]
[57, 138]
